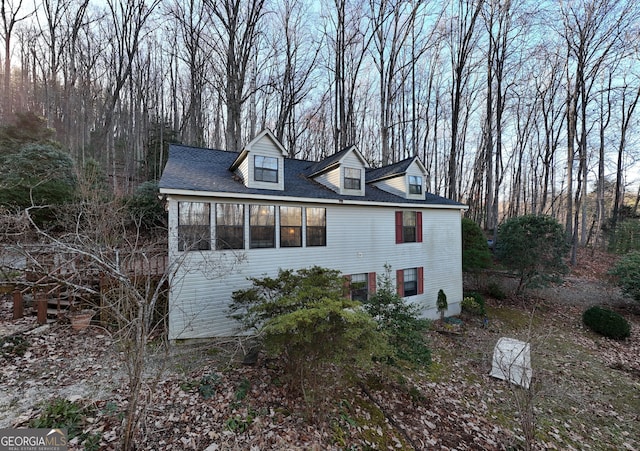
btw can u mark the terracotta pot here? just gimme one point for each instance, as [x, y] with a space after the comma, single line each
[81, 319]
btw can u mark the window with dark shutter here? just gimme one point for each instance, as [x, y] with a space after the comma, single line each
[408, 227]
[410, 281]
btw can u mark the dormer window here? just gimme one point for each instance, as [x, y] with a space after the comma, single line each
[415, 184]
[352, 178]
[265, 169]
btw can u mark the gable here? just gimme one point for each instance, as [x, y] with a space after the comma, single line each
[396, 178]
[343, 172]
[261, 163]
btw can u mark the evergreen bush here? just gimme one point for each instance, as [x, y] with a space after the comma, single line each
[400, 322]
[533, 247]
[606, 322]
[304, 317]
[627, 270]
[473, 303]
[495, 290]
[442, 303]
[475, 251]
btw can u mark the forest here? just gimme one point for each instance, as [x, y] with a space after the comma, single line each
[515, 106]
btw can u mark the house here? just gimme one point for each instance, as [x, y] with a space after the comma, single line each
[237, 215]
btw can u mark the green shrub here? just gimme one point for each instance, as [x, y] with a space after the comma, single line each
[207, 385]
[533, 247]
[606, 322]
[304, 317]
[145, 208]
[475, 251]
[13, 345]
[627, 270]
[625, 237]
[495, 290]
[441, 303]
[61, 414]
[400, 322]
[473, 303]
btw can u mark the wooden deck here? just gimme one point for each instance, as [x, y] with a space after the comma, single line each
[67, 280]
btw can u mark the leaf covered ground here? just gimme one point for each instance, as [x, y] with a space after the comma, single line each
[585, 393]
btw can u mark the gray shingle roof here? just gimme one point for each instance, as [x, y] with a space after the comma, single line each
[391, 170]
[318, 167]
[207, 170]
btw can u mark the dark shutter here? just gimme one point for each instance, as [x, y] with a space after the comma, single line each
[372, 283]
[399, 227]
[400, 282]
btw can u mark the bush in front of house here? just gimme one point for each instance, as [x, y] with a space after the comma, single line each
[473, 303]
[606, 322]
[627, 270]
[400, 322]
[304, 318]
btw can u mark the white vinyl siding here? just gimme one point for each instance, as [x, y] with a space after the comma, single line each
[330, 179]
[204, 281]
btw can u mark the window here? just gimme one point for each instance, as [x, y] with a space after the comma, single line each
[316, 227]
[262, 226]
[408, 227]
[229, 226]
[290, 226]
[351, 178]
[415, 184]
[194, 226]
[361, 286]
[410, 281]
[265, 169]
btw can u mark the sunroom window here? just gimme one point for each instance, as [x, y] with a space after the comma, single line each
[316, 226]
[262, 226]
[290, 226]
[229, 226]
[194, 226]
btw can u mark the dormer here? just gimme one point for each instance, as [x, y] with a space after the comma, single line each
[261, 163]
[343, 172]
[405, 178]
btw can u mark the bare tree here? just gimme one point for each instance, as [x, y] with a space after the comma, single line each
[126, 28]
[593, 31]
[10, 14]
[462, 40]
[295, 55]
[192, 21]
[630, 96]
[238, 33]
[393, 23]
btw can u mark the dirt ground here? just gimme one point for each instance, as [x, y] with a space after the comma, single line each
[585, 393]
